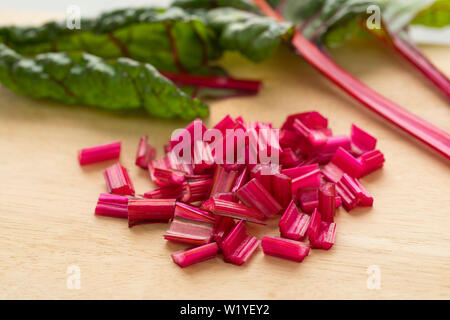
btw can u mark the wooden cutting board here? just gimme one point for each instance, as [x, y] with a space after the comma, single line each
[47, 200]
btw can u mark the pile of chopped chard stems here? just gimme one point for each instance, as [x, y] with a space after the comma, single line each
[209, 201]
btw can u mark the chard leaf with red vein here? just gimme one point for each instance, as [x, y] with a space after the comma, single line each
[81, 78]
[171, 40]
[253, 36]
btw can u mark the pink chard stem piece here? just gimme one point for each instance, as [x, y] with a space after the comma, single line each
[353, 193]
[185, 258]
[238, 246]
[226, 123]
[169, 192]
[223, 227]
[169, 176]
[255, 195]
[284, 248]
[190, 225]
[145, 153]
[314, 225]
[99, 153]
[293, 225]
[111, 205]
[281, 189]
[308, 199]
[219, 82]
[223, 180]
[307, 180]
[118, 181]
[361, 141]
[234, 210]
[142, 211]
[189, 231]
[325, 237]
[314, 137]
[197, 190]
[342, 162]
[327, 205]
[183, 210]
[300, 171]
[370, 161]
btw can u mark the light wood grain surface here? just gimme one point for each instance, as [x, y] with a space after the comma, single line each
[47, 200]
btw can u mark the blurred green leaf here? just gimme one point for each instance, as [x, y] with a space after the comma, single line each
[436, 16]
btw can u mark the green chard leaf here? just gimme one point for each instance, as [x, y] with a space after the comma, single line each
[333, 22]
[398, 14]
[328, 21]
[253, 36]
[171, 40]
[81, 78]
[98, 64]
[435, 16]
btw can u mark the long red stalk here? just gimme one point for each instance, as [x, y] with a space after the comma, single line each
[410, 53]
[220, 82]
[424, 131]
[416, 58]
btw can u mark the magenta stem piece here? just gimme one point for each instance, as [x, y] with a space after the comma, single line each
[251, 86]
[314, 225]
[370, 161]
[281, 189]
[223, 180]
[342, 162]
[168, 192]
[293, 225]
[300, 171]
[118, 181]
[362, 141]
[111, 205]
[253, 194]
[223, 227]
[284, 248]
[185, 258]
[145, 153]
[189, 231]
[197, 190]
[308, 180]
[234, 210]
[325, 237]
[238, 246]
[186, 211]
[327, 205]
[103, 152]
[353, 193]
[142, 211]
[314, 137]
